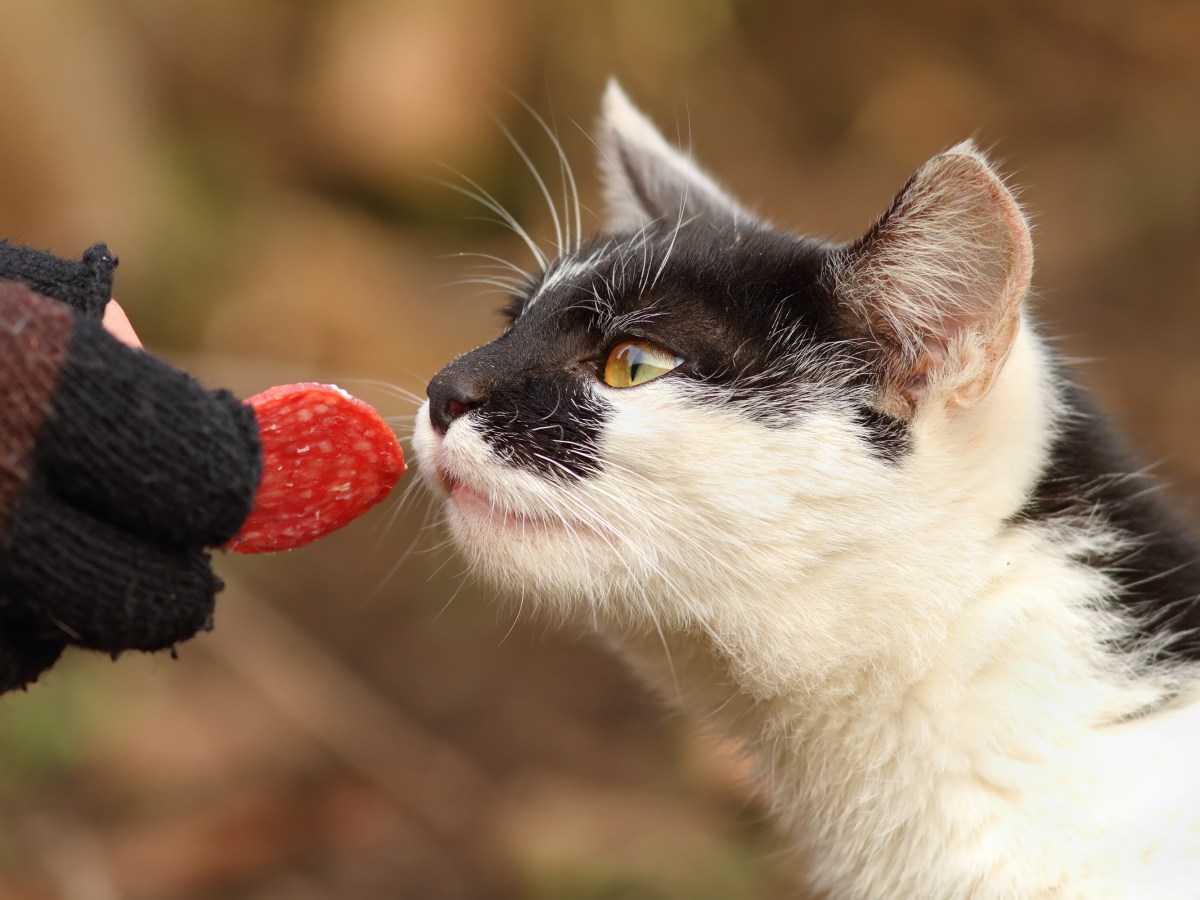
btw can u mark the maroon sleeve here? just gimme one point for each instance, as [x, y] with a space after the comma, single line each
[34, 335]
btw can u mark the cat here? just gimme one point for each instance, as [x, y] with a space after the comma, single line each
[842, 503]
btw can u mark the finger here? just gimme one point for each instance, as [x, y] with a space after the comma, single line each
[117, 324]
[142, 443]
[99, 586]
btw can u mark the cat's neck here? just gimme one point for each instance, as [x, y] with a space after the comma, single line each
[1005, 758]
[1000, 757]
[993, 655]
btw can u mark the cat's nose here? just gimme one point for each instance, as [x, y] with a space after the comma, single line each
[451, 396]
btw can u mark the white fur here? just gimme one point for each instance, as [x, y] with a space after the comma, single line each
[924, 688]
[564, 270]
[924, 685]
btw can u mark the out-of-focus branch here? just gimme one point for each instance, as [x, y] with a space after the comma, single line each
[432, 780]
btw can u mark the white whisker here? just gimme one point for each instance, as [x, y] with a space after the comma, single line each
[477, 193]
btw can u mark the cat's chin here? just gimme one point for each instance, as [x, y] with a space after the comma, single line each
[552, 557]
[473, 505]
[555, 566]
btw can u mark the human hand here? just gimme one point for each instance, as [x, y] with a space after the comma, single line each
[116, 472]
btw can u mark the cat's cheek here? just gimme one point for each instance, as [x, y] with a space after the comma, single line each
[451, 461]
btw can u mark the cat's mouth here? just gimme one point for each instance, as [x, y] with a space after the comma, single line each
[473, 503]
[470, 500]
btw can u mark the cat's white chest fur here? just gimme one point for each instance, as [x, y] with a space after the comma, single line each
[927, 678]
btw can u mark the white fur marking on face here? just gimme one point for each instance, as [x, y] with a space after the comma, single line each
[564, 271]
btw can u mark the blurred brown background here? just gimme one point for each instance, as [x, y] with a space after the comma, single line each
[359, 727]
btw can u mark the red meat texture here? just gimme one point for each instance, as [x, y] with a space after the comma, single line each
[328, 457]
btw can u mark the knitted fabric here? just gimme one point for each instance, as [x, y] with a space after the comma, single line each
[32, 349]
[116, 472]
[85, 286]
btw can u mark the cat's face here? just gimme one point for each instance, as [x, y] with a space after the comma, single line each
[699, 415]
[646, 417]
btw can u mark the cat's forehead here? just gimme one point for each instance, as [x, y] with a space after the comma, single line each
[743, 279]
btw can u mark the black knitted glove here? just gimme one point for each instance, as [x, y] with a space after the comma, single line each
[116, 471]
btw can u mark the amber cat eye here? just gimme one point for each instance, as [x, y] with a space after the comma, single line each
[631, 363]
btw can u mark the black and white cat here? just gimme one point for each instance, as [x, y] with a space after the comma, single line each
[840, 502]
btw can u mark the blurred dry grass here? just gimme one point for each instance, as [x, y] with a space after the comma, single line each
[263, 170]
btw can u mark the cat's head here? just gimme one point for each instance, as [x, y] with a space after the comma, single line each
[701, 424]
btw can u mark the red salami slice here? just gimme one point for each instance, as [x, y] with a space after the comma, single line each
[328, 457]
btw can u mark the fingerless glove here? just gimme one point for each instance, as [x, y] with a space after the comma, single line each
[117, 471]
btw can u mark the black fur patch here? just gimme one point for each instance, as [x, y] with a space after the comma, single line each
[1090, 473]
[548, 425]
[889, 436]
[524, 388]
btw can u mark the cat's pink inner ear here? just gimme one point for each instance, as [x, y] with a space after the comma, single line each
[937, 282]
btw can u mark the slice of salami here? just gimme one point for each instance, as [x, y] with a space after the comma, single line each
[328, 457]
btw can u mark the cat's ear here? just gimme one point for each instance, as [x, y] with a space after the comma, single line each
[646, 179]
[936, 284]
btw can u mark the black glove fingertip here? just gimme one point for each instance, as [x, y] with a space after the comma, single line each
[85, 286]
[144, 445]
[100, 586]
[26, 651]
